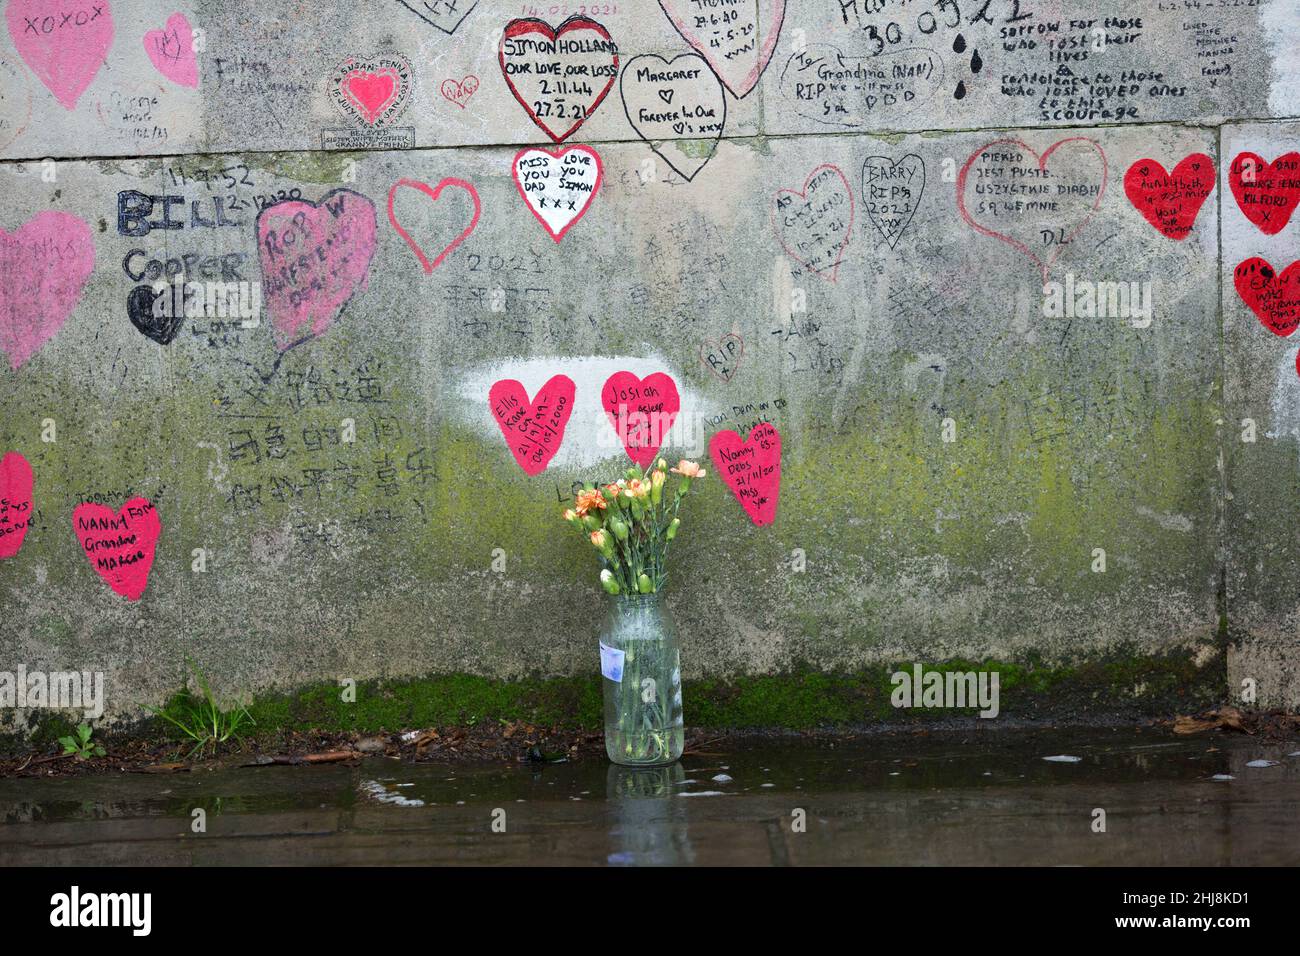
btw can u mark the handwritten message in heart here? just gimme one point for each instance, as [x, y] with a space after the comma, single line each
[120, 545]
[534, 430]
[446, 15]
[722, 357]
[314, 258]
[815, 224]
[668, 100]
[1170, 201]
[825, 85]
[1266, 192]
[737, 37]
[374, 90]
[1006, 190]
[459, 91]
[642, 412]
[1275, 299]
[64, 42]
[15, 502]
[751, 469]
[433, 194]
[891, 191]
[558, 187]
[43, 270]
[171, 50]
[560, 74]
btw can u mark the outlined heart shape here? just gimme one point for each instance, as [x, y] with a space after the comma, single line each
[1170, 201]
[558, 187]
[374, 90]
[15, 502]
[171, 50]
[814, 225]
[1044, 265]
[642, 411]
[534, 430]
[723, 357]
[446, 15]
[459, 91]
[433, 193]
[730, 46]
[1275, 299]
[1267, 193]
[649, 86]
[563, 96]
[751, 469]
[120, 545]
[891, 192]
[44, 267]
[64, 42]
[315, 257]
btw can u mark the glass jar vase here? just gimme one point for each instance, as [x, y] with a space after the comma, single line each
[642, 679]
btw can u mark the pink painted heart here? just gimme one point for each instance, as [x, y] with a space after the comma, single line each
[736, 37]
[642, 411]
[43, 270]
[459, 91]
[751, 469]
[370, 92]
[64, 42]
[15, 502]
[433, 194]
[120, 545]
[1021, 196]
[171, 50]
[534, 430]
[314, 257]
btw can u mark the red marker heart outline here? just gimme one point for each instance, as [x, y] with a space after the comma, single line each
[120, 545]
[533, 429]
[1274, 299]
[1268, 178]
[558, 154]
[848, 233]
[740, 88]
[1170, 201]
[628, 399]
[461, 90]
[517, 28]
[737, 462]
[1044, 266]
[16, 497]
[433, 193]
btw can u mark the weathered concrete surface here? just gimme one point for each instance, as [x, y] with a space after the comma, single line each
[326, 558]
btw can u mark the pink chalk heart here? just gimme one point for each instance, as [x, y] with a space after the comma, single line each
[534, 430]
[64, 42]
[642, 411]
[120, 545]
[314, 256]
[172, 51]
[751, 469]
[43, 270]
[15, 502]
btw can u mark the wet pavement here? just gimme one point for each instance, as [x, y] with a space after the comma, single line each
[954, 798]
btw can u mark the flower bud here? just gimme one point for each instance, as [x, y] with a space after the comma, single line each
[672, 528]
[619, 527]
[643, 583]
[608, 582]
[591, 522]
[656, 488]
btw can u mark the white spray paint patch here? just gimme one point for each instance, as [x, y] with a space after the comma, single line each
[589, 438]
[1279, 21]
[1285, 405]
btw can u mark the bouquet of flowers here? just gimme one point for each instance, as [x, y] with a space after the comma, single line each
[632, 522]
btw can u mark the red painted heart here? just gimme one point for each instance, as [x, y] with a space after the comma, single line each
[560, 74]
[433, 193]
[1005, 164]
[1267, 193]
[1170, 201]
[459, 91]
[1274, 299]
[815, 225]
[642, 412]
[44, 267]
[534, 430]
[120, 545]
[370, 92]
[751, 469]
[15, 502]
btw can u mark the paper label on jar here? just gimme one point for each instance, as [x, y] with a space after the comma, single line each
[611, 663]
